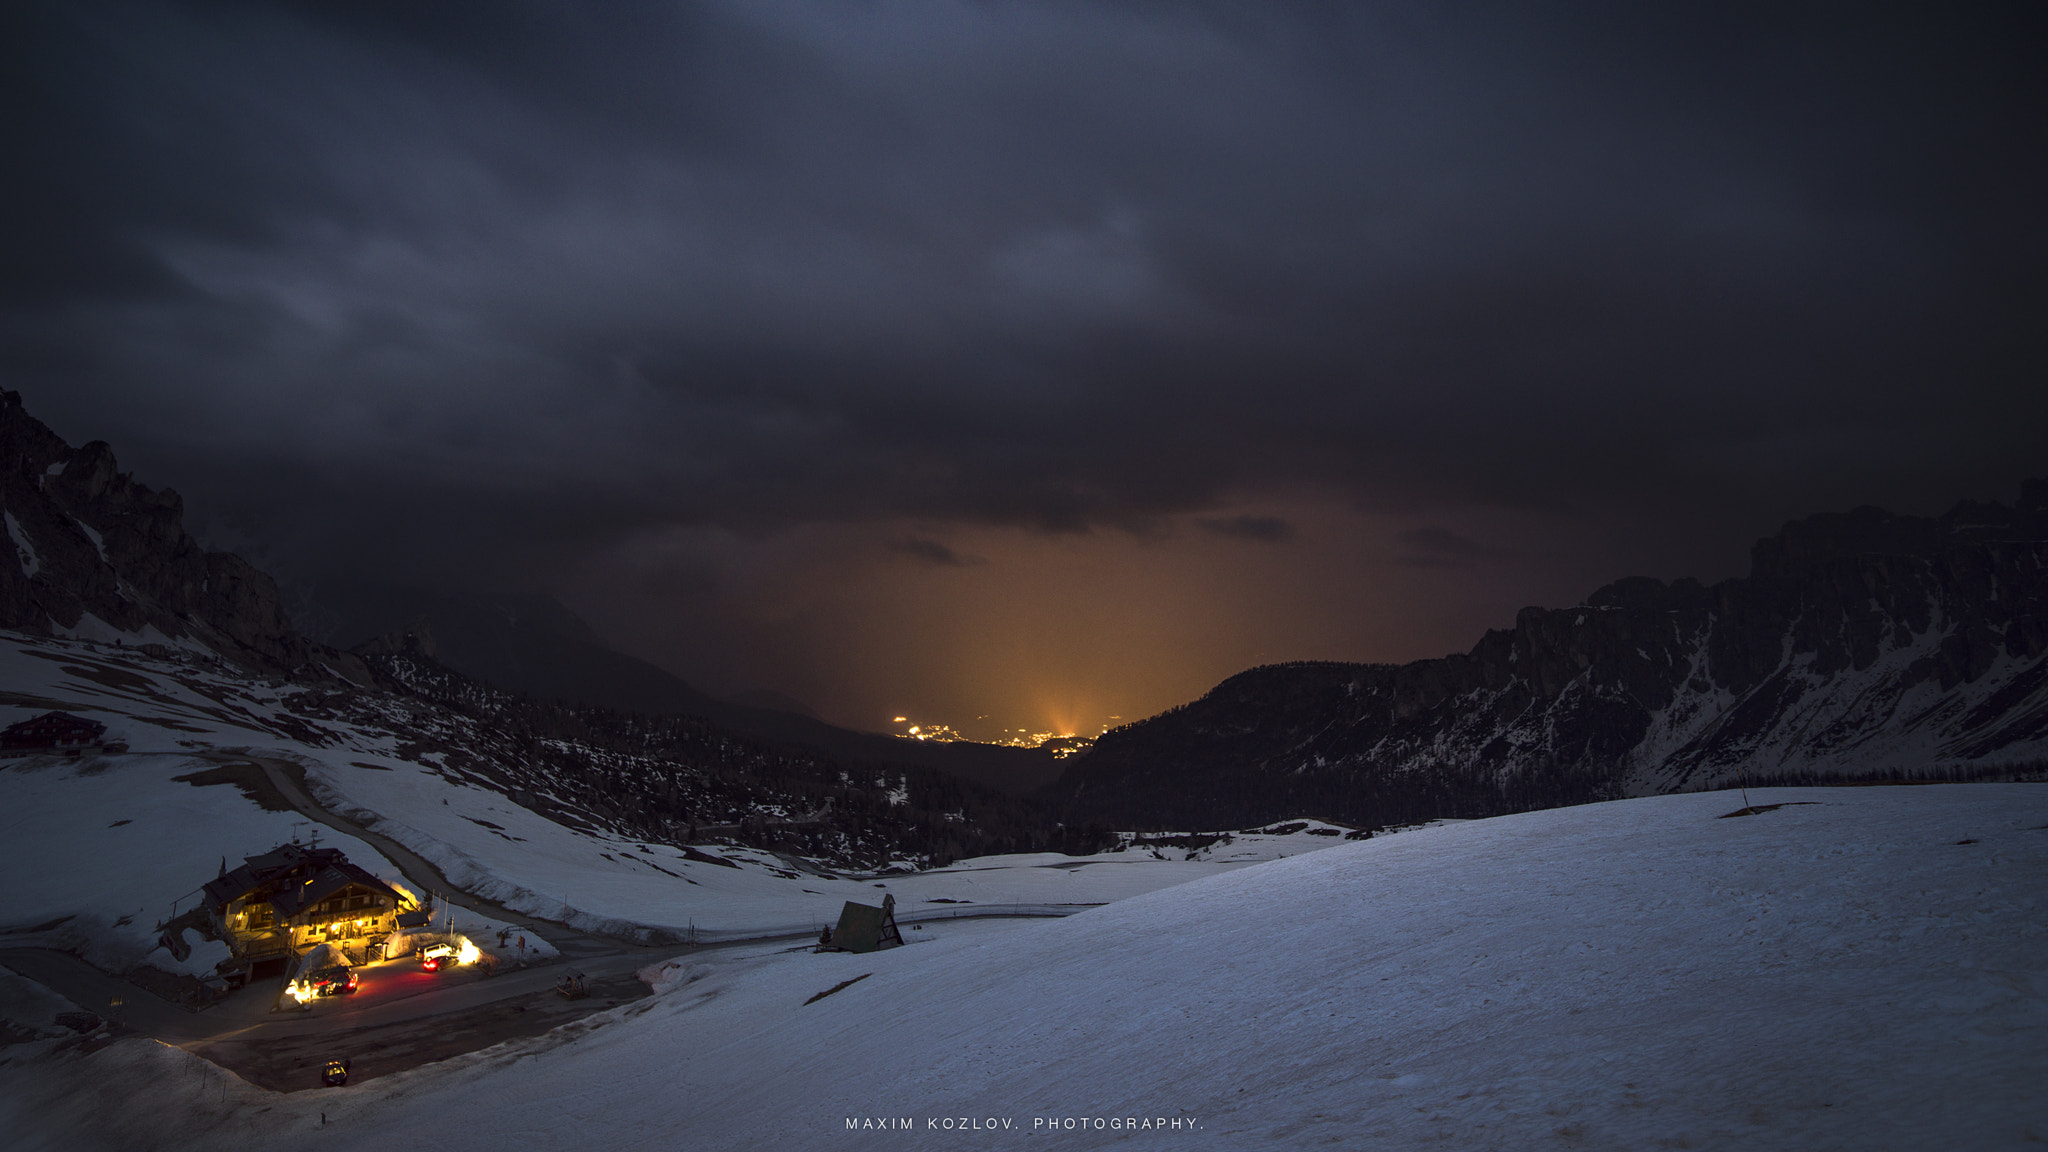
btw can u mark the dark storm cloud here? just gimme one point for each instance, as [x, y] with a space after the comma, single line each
[499, 280]
[1262, 529]
[926, 551]
[1438, 547]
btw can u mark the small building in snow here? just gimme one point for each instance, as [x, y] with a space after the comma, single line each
[58, 732]
[863, 928]
[293, 898]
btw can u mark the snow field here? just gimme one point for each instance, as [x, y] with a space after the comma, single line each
[1861, 968]
[485, 844]
[607, 884]
[1841, 972]
[114, 843]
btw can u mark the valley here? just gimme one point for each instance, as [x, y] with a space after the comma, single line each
[185, 799]
[1577, 887]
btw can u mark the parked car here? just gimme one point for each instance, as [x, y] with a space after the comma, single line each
[434, 956]
[336, 981]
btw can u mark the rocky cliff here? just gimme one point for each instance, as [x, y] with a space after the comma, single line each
[1860, 644]
[92, 553]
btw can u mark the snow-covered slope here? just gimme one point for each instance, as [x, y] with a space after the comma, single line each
[1861, 968]
[117, 843]
[125, 836]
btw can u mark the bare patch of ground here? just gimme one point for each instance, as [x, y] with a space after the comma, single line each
[21, 700]
[252, 780]
[838, 986]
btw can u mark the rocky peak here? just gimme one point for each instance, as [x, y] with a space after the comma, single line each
[416, 639]
[93, 553]
[1815, 541]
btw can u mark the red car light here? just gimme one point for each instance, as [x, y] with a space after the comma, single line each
[431, 963]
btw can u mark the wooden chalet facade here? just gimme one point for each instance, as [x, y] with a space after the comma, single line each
[58, 732]
[293, 898]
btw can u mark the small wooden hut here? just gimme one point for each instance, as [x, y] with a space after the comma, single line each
[865, 928]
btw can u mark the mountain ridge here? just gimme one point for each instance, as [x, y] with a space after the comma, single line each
[93, 553]
[1860, 642]
[535, 645]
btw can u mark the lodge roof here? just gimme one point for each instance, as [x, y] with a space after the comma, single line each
[268, 868]
[293, 901]
[49, 728]
[292, 878]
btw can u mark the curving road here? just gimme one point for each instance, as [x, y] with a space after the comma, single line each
[402, 1016]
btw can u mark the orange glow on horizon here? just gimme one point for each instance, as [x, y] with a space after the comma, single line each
[1049, 633]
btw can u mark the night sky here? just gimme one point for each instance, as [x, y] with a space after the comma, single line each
[1040, 362]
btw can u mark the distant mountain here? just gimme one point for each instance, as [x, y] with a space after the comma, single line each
[527, 643]
[1861, 644]
[92, 553]
[773, 701]
[533, 644]
[99, 578]
[680, 779]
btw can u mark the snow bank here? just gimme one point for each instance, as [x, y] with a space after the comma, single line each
[1860, 968]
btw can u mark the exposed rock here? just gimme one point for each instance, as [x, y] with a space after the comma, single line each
[90, 552]
[1861, 644]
